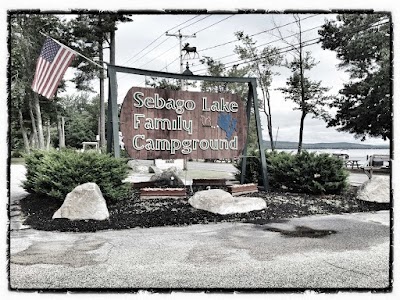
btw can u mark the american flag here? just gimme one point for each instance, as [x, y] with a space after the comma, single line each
[51, 65]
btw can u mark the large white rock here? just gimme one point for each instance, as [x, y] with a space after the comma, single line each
[377, 189]
[137, 167]
[221, 202]
[84, 202]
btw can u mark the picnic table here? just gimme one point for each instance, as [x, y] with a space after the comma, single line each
[352, 163]
[376, 162]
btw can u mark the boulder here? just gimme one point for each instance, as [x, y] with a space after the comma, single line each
[132, 164]
[376, 189]
[84, 202]
[154, 169]
[136, 167]
[221, 202]
[167, 178]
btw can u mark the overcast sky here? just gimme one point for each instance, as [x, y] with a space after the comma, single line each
[143, 44]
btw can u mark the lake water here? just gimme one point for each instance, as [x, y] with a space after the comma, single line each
[358, 154]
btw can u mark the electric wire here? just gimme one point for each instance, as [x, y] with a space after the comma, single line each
[155, 40]
[195, 22]
[366, 26]
[261, 45]
[213, 24]
[254, 34]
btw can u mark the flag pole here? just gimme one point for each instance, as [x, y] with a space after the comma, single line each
[61, 44]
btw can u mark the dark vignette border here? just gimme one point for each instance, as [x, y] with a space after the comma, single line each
[197, 11]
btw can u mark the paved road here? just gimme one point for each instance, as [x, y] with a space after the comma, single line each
[354, 254]
[336, 251]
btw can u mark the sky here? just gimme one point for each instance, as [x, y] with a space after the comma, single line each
[144, 44]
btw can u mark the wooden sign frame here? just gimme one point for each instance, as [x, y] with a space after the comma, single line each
[113, 120]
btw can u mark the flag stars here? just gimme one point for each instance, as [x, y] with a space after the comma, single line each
[49, 50]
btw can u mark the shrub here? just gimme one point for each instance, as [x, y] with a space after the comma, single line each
[307, 172]
[56, 173]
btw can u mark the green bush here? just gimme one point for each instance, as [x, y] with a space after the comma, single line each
[56, 173]
[307, 172]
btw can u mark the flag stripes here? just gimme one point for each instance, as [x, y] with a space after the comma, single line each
[51, 66]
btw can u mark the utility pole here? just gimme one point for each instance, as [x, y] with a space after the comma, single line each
[180, 36]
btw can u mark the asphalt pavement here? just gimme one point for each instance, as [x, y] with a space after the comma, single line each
[333, 251]
[337, 251]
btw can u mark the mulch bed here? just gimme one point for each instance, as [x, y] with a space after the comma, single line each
[134, 212]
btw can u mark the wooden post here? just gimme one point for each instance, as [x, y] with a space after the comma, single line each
[253, 84]
[244, 154]
[109, 120]
[114, 111]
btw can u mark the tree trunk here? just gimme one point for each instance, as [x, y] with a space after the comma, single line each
[23, 132]
[60, 128]
[35, 141]
[300, 146]
[39, 124]
[48, 138]
[265, 94]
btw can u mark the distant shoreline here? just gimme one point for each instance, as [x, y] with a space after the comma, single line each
[313, 146]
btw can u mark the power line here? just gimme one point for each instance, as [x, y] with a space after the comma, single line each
[161, 35]
[268, 43]
[283, 50]
[194, 22]
[213, 24]
[169, 49]
[183, 23]
[368, 26]
[264, 31]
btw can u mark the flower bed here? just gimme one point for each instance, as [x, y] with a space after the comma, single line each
[136, 212]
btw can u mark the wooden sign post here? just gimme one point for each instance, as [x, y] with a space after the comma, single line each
[158, 123]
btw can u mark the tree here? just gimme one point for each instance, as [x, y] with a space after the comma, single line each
[260, 64]
[307, 94]
[26, 42]
[92, 32]
[81, 119]
[363, 44]
[163, 83]
[217, 68]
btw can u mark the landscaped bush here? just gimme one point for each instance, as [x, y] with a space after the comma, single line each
[307, 172]
[56, 173]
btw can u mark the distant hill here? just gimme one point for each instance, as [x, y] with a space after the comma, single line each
[293, 145]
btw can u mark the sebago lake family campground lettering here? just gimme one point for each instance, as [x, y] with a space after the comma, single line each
[159, 123]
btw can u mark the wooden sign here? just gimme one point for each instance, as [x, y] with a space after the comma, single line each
[168, 124]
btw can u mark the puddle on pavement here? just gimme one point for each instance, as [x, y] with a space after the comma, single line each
[76, 254]
[302, 231]
[265, 221]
